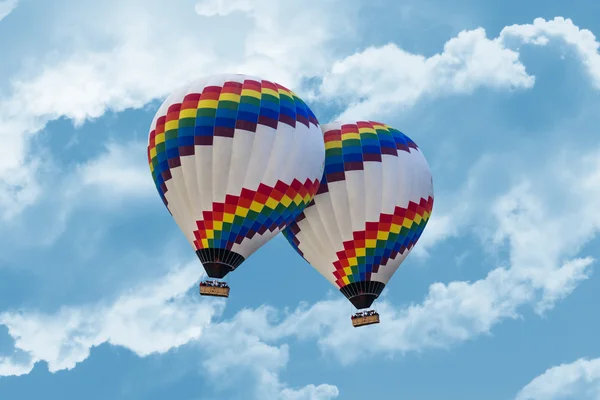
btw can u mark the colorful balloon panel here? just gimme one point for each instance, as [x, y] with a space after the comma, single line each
[371, 208]
[235, 159]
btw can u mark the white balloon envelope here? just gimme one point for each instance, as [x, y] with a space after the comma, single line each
[373, 203]
[235, 159]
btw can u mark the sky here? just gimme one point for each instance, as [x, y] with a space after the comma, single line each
[98, 287]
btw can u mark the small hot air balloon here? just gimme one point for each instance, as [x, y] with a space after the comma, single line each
[235, 159]
[375, 198]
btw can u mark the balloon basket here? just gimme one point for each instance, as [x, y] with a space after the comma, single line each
[365, 318]
[216, 289]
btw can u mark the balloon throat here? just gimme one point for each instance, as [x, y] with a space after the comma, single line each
[219, 262]
[362, 294]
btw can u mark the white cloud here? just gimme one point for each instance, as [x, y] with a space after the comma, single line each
[537, 273]
[145, 60]
[116, 176]
[154, 319]
[380, 80]
[6, 7]
[450, 217]
[284, 47]
[246, 351]
[209, 8]
[142, 58]
[121, 171]
[542, 268]
[149, 320]
[311, 392]
[541, 32]
[579, 380]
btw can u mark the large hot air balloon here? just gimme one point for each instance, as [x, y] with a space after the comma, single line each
[235, 159]
[375, 198]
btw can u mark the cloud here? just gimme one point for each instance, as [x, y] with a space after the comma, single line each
[541, 269]
[149, 320]
[140, 59]
[111, 180]
[6, 7]
[274, 46]
[525, 219]
[244, 351]
[579, 380]
[380, 80]
[541, 32]
[121, 171]
[311, 392]
[155, 319]
[450, 217]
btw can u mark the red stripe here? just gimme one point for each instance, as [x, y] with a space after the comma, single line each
[269, 85]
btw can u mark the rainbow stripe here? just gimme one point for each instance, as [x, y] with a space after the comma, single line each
[381, 241]
[219, 111]
[373, 247]
[348, 148]
[252, 212]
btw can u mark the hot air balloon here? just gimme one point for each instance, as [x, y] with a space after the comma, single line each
[235, 159]
[375, 198]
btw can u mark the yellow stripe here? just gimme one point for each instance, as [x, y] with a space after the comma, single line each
[286, 93]
[229, 97]
[188, 113]
[350, 135]
[256, 207]
[208, 103]
[286, 201]
[160, 138]
[348, 271]
[241, 211]
[407, 223]
[153, 152]
[172, 125]
[366, 130]
[217, 225]
[334, 144]
[382, 235]
[360, 252]
[272, 203]
[271, 92]
[228, 218]
[251, 93]
[346, 280]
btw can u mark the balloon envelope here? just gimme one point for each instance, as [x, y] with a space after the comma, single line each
[235, 159]
[375, 198]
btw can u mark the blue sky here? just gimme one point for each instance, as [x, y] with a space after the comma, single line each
[98, 287]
